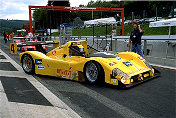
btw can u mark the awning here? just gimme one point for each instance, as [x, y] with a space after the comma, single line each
[101, 21]
[22, 30]
[163, 23]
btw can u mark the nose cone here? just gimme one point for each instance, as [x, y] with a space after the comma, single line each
[130, 68]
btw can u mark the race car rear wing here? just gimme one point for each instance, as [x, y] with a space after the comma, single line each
[38, 45]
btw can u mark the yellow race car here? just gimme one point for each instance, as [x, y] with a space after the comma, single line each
[77, 61]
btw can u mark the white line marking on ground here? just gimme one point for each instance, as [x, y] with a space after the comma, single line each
[4, 60]
[35, 111]
[161, 66]
[4, 104]
[124, 111]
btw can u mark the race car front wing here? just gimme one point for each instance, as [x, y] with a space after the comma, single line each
[156, 74]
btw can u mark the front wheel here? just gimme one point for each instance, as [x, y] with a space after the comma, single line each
[93, 72]
[28, 64]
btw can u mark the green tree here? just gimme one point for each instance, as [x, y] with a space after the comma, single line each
[41, 19]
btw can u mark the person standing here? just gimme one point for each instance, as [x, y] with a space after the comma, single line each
[7, 36]
[4, 34]
[11, 36]
[135, 39]
[30, 35]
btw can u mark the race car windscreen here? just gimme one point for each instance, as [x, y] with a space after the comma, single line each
[91, 50]
[76, 51]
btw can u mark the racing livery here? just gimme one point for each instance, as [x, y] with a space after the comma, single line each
[26, 39]
[77, 61]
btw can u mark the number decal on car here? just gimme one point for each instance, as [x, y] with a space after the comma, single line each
[127, 63]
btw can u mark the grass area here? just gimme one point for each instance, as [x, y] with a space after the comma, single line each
[101, 31]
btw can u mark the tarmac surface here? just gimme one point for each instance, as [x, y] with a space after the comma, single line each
[154, 98]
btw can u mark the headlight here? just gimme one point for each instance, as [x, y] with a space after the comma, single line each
[123, 80]
[118, 72]
[115, 72]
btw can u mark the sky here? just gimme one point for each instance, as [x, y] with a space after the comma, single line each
[18, 9]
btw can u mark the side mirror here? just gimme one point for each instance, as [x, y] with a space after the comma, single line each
[64, 55]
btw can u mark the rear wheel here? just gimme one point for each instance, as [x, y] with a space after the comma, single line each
[28, 64]
[93, 72]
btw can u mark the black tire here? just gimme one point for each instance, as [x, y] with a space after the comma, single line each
[28, 64]
[93, 72]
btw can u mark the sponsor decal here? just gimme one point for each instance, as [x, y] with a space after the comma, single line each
[165, 23]
[70, 77]
[64, 72]
[75, 75]
[130, 73]
[114, 81]
[68, 74]
[127, 63]
[142, 69]
[41, 67]
[64, 76]
[74, 72]
[54, 52]
[38, 61]
[140, 57]
[67, 77]
[80, 8]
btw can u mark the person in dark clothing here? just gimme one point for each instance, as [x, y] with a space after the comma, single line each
[5, 39]
[120, 32]
[135, 39]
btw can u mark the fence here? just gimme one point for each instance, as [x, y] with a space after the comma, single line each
[156, 46]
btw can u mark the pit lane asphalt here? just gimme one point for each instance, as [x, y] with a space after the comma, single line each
[154, 98]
